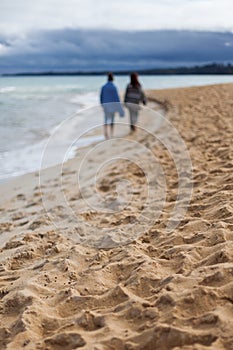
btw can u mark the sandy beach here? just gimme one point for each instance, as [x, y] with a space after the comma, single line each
[83, 276]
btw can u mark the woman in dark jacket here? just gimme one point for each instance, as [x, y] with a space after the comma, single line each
[133, 96]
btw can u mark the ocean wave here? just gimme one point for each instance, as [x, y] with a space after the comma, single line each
[87, 99]
[7, 89]
[44, 91]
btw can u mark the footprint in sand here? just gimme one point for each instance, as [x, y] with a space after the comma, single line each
[66, 341]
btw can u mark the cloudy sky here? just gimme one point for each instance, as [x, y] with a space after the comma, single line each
[113, 34]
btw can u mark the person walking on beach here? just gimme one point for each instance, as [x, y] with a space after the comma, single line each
[110, 101]
[133, 96]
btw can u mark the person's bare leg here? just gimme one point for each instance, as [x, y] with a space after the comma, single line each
[133, 121]
[106, 131]
[111, 131]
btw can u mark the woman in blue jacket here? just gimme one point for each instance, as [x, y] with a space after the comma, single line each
[109, 98]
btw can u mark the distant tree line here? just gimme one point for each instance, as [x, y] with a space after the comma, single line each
[213, 68]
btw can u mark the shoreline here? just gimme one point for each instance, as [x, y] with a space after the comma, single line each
[22, 160]
[160, 290]
[33, 182]
[76, 148]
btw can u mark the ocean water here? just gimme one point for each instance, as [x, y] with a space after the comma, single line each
[32, 107]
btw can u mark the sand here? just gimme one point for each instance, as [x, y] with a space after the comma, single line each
[70, 286]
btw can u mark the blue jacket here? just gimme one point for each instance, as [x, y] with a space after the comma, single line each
[109, 93]
[109, 98]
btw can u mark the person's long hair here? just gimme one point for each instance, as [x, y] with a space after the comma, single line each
[134, 80]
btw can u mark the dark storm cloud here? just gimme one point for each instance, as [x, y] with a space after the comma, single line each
[70, 49]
